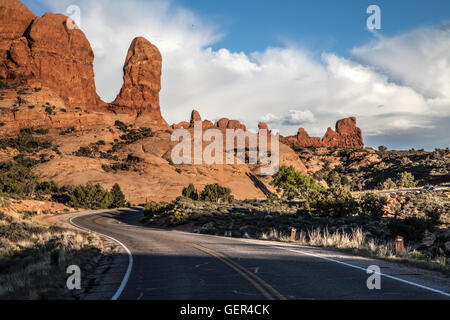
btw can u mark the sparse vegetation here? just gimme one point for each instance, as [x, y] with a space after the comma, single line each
[25, 141]
[368, 170]
[34, 258]
[94, 196]
[190, 192]
[216, 193]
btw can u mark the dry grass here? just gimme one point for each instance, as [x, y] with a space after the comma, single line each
[357, 243]
[28, 267]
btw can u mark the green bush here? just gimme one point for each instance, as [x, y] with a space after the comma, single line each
[121, 126]
[372, 205]
[406, 180]
[335, 202]
[190, 192]
[152, 209]
[295, 184]
[388, 184]
[16, 179]
[67, 131]
[119, 200]
[216, 193]
[90, 196]
[412, 228]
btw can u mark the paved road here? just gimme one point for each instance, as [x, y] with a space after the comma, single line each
[177, 265]
[443, 187]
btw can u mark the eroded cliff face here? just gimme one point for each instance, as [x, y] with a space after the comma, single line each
[347, 134]
[139, 95]
[46, 52]
[50, 61]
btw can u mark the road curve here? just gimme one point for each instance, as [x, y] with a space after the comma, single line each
[172, 265]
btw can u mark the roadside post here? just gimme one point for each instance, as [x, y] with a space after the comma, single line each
[399, 245]
[293, 234]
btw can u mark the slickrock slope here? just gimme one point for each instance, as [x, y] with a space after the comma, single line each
[347, 134]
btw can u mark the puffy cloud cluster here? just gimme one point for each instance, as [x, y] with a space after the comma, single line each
[398, 88]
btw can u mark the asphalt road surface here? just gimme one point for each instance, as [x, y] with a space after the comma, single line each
[173, 265]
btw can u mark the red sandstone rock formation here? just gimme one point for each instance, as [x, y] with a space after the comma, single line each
[45, 51]
[207, 124]
[222, 123]
[195, 116]
[347, 134]
[141, 83]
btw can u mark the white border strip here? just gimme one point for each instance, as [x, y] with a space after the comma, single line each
[361, 268]
[130, 256]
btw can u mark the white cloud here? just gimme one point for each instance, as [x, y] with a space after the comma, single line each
[392, 85]
[292, 118]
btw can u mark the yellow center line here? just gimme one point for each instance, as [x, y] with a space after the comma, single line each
[262, 286]
[256, 281]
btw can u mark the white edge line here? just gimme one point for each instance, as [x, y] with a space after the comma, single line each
[361, 268]
[130, 257]
[316, 256]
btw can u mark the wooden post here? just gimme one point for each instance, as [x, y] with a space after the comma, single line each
[399, 245]
[293, 234]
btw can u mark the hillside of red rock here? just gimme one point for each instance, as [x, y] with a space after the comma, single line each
[47, 82]
[347, 134]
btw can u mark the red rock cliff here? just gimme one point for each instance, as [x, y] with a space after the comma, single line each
[141, 83]
[45, 51]
[347, 134]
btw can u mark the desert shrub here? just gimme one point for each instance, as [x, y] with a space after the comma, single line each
[16, 179]
[178, 216]
[89, 151]
[216, 193]
[190, 192]
[118, 166]
[372, 205]
[67, 131]
[294, 183]
[50, 110]
[412, 228]
[336, 202]
[134, 135]
[4, 204]
[152, 209]
[118, 198]
[41, 131]
[388, 184]
[406, 180]
[47, 187]
[90, 196]
[26, 161]
[121, 126]
[25, 142]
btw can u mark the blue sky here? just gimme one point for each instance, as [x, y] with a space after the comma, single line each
[319, 25]
[289, 63]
